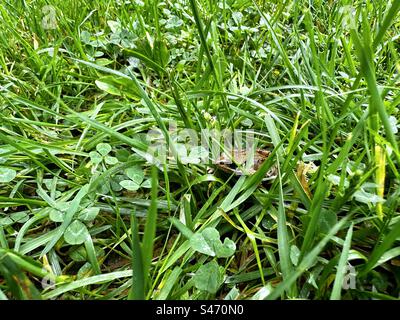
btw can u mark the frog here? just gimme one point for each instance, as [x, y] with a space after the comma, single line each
[238, 163]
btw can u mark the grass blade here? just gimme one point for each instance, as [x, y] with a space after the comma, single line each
[341, 268]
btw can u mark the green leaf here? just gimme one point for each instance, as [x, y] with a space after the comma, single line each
[366, 197]
[200, 244]
[95, 157]
[186, 232]
[7, 175]
[306, 262]
[181, 150]
[91, 254]
[109, 88]
[209, 277]
[208, 242]
[263, 292]
[169, 283]
[233, 294]
[76, 233]
[130, 185]
[227, 249]
[381, 248]
[56, 215]
[136, 174]
[79, 255]
[103, 148]
[69, 214]
[117, 86]
[19, 217]
[88, 214]
[115, 26]
[146, 184]
[6, 221]
[334, 179]
[150, 226]
[294, 254]
[137, 291]
[103, 61]
[110, 160]
[85, 37]
[114, 183]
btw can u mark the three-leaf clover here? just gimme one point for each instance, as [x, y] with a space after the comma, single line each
[76, 232]
[136, 177]
[208, 242]
[103, 149]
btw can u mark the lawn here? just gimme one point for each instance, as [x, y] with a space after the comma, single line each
[192, 149]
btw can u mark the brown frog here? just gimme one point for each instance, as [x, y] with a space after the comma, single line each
[238, 163]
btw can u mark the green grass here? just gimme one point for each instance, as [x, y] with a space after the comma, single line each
[85, 212]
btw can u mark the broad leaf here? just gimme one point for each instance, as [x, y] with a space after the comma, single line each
[19, 217]
[136, 174]
[130, 185]
[294, 254]
[95, 157]
[109, 88]
[208, 242]
[56, 215]
[76, 233]
[110, 160]
[103, 148]
[88, 214]
[146, 184]
[368, 198]
[7, 175]
[161, 53]
[209, 277]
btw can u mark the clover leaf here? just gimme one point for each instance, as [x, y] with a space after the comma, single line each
[7, 175]
[88, 214]
[76, 233]
[103, 149]
[136, 176]
[208, 242]
[209, 277]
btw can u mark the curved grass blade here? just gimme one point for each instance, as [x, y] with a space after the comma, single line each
[341, 268]
[137, 291]
[102, 278]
